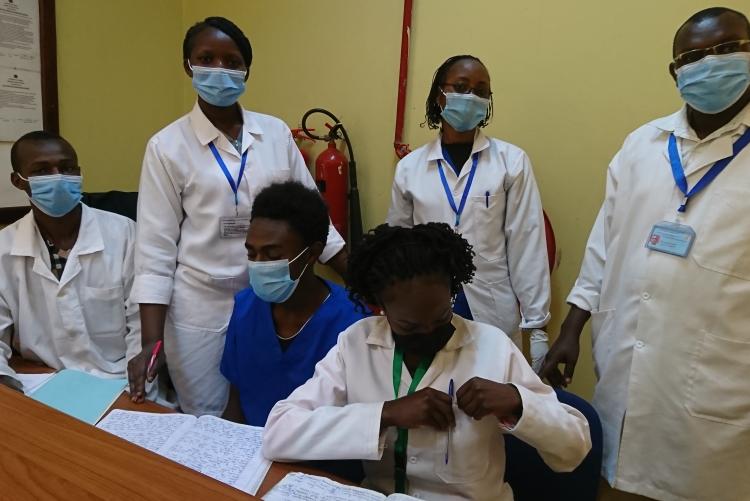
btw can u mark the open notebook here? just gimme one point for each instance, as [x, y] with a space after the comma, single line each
[303, 487]
[226, 451]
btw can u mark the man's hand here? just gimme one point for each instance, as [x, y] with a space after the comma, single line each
[426, 407]
[565, 349]
[481, 397]
[138, 372]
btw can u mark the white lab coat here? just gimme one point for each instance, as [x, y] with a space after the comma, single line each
[336, 415]
[671, 336]
[502, 221]
[180, 259]
[83, 321]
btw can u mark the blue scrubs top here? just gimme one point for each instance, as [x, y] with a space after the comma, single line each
[254, 362]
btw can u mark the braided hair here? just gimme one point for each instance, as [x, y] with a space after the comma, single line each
[388, 254]
[432, 117]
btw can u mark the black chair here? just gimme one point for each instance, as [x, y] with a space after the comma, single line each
[124, 203]
[532, 480]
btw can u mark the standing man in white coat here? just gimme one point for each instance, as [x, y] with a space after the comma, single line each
[199, 178]
[485, 189]
[66, 270]
[666, 282]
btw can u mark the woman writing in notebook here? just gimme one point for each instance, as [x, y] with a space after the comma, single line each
[485, 189]
[423, 396]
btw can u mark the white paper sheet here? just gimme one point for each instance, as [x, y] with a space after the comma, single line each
[150, 431]
[33, 381]
[303, 487]
[226, 451]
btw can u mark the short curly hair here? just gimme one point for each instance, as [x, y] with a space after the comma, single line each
[299, 206]
[388, 254]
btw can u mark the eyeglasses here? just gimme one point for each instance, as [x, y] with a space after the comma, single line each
[692, 56]
[462, 88]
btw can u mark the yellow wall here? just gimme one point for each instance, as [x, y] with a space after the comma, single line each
[571, 79]
[119, 82]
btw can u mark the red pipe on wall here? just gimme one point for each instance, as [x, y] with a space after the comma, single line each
[403, 149]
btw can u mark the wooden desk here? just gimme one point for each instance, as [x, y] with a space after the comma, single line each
[46, 453]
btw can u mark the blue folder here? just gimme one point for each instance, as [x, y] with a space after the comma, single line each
[79, 394]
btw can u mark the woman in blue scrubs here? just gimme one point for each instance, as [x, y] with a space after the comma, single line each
[289, 318]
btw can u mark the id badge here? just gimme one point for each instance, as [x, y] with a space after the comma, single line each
[671, 238]
[234, 226]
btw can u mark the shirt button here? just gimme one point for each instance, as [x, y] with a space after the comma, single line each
[646, 296]
[413, 459]
[639, 344]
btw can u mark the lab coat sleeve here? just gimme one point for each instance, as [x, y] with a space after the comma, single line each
[401, 212]
[301, 174]
[158, 231]
[587, 288]
[527, 246]
[132, 316]
[6, 332]
[557, 431]
[316, 422]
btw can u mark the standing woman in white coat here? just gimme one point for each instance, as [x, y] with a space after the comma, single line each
[199, 178]
[485, 189]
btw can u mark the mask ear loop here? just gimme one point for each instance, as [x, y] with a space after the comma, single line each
[297, 257]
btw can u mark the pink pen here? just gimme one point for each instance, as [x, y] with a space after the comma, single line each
[154, 354]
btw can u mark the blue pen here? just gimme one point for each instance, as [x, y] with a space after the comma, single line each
[487, 199]
[450, 437]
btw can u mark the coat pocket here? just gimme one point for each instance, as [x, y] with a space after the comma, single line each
[722, 244]
[467, 450]
[104, 310]
[717, 388]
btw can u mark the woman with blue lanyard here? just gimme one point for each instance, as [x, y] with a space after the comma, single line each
[485, 189]
[200, 175]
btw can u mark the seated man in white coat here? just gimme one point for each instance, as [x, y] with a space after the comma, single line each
[421, 395]
[66, 271]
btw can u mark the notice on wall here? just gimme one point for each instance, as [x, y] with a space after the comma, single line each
[20, 69]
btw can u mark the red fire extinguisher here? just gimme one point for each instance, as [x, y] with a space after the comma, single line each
[336, 177]
[302, 140]
[332, 178]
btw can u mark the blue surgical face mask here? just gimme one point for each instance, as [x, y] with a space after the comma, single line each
[218, 86]
[714, 83]
[56, 194]
[464, 111]
[270, 280]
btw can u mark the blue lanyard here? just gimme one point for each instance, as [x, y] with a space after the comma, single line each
[679, 173]
[449, 192]
[235, 186]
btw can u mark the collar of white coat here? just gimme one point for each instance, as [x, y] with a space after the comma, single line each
[28, 240]
[435, 150]
[677, 123]
[206, 132]
[714, 147]
[381, 334]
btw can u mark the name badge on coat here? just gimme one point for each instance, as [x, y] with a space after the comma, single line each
[671, 238]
